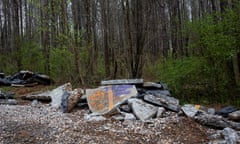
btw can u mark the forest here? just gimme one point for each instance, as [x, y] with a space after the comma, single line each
[191, 45]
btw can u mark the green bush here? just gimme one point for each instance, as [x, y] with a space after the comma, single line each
[207, 75]
[185, 77]
[62, 67]
[31, 56]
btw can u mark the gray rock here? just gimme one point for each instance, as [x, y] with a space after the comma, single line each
[164, 101]
[211, 111]
[152, 85]
[142, 110]
[159, 92]
[125, 108]
[8, 102]
[189, 110]
[219, 141]
[93, 117]
[129, 116]
[226, 110]
[122, 81]
[230, 135]
[215, 121]
[165, 86]
[35, 103]
[118, 117]
[234, 115]
[56, 94]
[160, 112]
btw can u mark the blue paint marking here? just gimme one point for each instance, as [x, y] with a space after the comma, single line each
[119, 90]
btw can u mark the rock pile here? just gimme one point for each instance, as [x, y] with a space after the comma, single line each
[24, 78]
[134, 99]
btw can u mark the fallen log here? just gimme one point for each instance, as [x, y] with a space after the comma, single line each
[40, 96]
[215, 121]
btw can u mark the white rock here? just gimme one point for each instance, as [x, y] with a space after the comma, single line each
[189, 110]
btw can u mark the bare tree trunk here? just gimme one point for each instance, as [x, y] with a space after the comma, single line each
[76, 42]
[88, 7]
[45, 34]
[17, 32]
[104, 11]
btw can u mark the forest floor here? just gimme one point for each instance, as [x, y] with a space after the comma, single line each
[25, 123]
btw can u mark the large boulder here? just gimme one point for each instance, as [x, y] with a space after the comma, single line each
[57, 93]
[70, 99]
[170, 103]
[143, 111]
[106, 98]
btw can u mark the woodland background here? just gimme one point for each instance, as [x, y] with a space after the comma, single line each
[192, 45]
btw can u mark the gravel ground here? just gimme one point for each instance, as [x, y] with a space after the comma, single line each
[23, 124]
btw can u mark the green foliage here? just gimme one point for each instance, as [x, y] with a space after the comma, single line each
[7, 64]
[184, 77]
[207, 75]
[62, 64]
[32, 56]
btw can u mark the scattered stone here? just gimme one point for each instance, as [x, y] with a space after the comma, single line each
[226, 110]
[125, 108]
[122, 81]
[164, 101]
[35, 103]
[8, 102]
[211, 111]
[217, 135]
[189, 110]
[215, 121]
[230, 136]
[129, 116]
[160, 112]
[93, 117]
[218, 141]
[118, 117]
[107, 98]
[142, 110]
[124, 116]
[234, 116]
